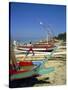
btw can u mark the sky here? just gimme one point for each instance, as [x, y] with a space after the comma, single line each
[30, 21]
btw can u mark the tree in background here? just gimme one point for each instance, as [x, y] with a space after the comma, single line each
[61, 36]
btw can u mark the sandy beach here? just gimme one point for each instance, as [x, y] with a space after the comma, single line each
[58, 76]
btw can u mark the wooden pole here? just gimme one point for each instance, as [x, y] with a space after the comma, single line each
[12, 57]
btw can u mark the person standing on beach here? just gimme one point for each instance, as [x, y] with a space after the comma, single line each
[30, 49]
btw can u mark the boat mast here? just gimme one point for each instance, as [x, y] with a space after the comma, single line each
[49, 33]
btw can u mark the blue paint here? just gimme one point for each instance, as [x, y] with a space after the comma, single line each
[38, 63]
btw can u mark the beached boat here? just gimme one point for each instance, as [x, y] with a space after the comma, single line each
[24, 69]
[38, 49]
[29, 69]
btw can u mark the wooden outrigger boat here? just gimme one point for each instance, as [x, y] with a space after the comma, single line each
[37, 47]
[29, 69]
[41, 46]
[24, 69]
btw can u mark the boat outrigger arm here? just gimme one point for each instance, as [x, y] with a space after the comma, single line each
[41, 69]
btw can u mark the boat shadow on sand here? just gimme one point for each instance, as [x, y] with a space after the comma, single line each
[28, 82]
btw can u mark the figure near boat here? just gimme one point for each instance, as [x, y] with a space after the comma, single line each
[30, 49]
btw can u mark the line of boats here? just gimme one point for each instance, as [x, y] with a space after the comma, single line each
[25, 69]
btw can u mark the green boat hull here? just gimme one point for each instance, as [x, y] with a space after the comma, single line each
[34, 72]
